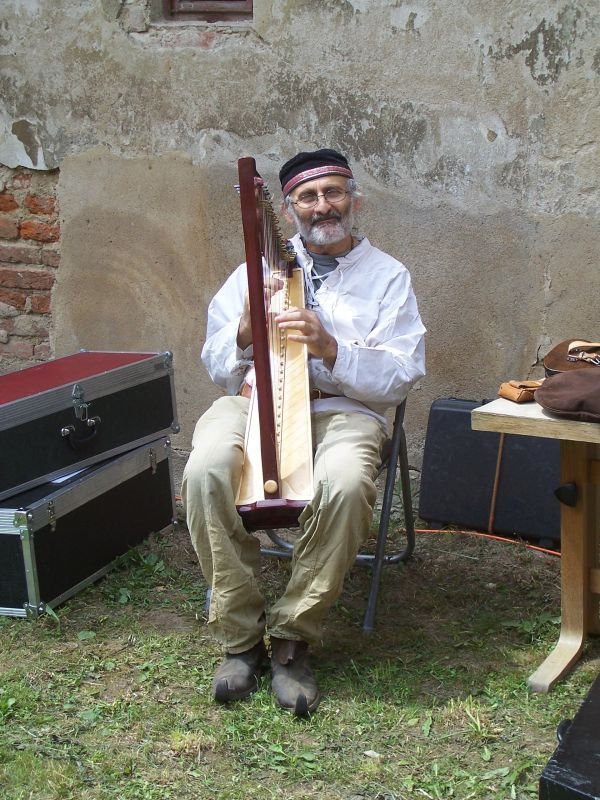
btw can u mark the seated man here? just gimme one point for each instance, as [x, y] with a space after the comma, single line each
[365, 341]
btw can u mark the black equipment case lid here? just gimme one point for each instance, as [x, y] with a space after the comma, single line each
[74, 411]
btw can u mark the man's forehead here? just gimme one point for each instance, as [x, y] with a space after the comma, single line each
[319, 184]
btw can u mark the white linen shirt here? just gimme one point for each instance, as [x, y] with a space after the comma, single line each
[366, 303]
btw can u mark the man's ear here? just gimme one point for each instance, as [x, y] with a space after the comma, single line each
[357, 204]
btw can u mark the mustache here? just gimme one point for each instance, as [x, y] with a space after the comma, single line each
[334, 215]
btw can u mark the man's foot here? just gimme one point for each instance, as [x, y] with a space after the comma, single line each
[293, 683]
[238, 675]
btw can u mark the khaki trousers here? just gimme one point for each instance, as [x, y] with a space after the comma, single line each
[332, 527]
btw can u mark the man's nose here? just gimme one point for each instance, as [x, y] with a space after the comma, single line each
[322, 203]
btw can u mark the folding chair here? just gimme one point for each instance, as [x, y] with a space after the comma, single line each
[394, 456]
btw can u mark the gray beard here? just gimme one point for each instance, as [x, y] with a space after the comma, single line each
[322, 235]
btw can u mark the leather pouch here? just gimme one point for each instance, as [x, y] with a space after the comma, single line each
[519, 391]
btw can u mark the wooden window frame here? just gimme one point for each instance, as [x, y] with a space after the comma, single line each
[210, 10]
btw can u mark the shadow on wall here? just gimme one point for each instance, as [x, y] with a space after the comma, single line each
[127, 283]
[119, 291]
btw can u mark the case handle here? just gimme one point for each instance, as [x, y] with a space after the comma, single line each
[81, 433]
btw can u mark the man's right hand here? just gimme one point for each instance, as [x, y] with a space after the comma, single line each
[244, 334]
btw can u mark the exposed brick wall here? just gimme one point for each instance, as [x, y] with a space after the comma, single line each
[29, 259]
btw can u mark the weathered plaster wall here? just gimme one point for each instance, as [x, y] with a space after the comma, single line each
[473, 129]
[143, 246]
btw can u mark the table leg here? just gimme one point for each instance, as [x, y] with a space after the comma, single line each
[578, 542]
[594, 510]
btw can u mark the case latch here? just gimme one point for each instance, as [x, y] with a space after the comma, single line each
[85, 427]
[79, 405]
[51, 515]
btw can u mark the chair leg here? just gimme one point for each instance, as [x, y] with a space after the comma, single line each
[398, 457]
[409, 517]
[280, 549]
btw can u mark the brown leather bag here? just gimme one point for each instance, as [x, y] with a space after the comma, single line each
[570, 355]
[572, 395]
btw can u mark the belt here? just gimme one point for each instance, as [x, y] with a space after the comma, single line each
[315, 394]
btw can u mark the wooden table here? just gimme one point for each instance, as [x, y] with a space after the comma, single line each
[580, 524]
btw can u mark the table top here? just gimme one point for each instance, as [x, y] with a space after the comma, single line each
[530, 419]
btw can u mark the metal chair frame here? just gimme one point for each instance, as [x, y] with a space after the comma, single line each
[395, 457]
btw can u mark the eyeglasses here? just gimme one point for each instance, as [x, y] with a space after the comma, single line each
[310, 199]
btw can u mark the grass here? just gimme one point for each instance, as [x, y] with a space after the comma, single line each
[110, 697]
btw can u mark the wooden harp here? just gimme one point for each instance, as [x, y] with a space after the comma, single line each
[277, 476]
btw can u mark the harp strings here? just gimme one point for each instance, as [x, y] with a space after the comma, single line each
[278, 257]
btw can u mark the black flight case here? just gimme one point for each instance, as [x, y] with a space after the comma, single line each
[57, 538]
